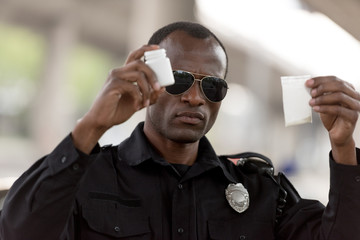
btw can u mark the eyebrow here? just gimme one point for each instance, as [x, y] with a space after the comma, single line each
[198, 74]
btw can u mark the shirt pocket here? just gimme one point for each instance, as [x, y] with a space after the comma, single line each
[240, 229]
[111, 216]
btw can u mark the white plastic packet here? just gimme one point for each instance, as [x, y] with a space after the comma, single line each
[296, 97]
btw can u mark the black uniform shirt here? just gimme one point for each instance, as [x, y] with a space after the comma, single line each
[130, 192]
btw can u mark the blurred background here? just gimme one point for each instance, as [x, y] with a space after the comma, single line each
[55, 56]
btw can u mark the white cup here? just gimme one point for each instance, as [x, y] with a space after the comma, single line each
[296, 97]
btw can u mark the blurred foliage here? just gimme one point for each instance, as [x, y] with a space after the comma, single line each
[22, 57]
[88, 69]
[21, 54]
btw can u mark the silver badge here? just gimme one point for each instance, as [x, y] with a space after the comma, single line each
[238, 197]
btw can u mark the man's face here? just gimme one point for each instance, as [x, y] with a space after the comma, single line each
[185, 118]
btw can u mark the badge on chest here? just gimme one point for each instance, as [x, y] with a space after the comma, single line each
[238, 197]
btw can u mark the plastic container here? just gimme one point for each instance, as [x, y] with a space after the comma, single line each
[160, 64]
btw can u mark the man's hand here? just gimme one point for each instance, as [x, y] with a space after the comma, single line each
[339, 105]
[126, 90]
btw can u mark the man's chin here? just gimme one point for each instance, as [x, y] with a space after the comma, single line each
[186, 136]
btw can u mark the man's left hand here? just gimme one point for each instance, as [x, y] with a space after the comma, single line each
[338, 103]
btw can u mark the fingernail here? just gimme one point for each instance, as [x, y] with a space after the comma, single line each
[316, 108]
[312, 101]
[147, 103]
[313, 92]
[157, 86]
[310, 82]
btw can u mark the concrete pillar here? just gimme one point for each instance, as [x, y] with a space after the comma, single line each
[147, 16]
[52, 110]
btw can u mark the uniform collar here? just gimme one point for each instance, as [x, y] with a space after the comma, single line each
[137, 149]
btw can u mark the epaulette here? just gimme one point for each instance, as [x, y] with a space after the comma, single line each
[252, 162]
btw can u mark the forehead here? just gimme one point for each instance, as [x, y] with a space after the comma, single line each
[204, 56]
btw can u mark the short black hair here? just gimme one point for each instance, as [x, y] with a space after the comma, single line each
[195, 30]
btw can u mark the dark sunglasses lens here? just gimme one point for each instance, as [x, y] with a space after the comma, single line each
[214, 88]
[183, 81]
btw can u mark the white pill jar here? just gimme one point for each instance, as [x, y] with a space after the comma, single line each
[160, 64]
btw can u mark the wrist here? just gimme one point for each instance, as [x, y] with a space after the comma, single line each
[344, 153]
[85, 136]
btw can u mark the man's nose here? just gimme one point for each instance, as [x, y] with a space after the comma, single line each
[194, 96]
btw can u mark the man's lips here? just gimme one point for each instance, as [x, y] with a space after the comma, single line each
[190, 117]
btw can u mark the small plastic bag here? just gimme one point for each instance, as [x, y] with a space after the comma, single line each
[296, 97]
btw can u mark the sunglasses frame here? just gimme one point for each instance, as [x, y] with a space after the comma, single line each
[198, 80]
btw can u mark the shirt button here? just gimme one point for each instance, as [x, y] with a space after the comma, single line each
[180, 186]
[63, 159]
[116, 229]
[242, 237]
[357, 178]
[180, 230]
[75, 167]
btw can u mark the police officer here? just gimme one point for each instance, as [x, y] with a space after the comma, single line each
[165, 181]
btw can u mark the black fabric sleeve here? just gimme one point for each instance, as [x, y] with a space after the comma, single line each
[40, 202]
[308, 219]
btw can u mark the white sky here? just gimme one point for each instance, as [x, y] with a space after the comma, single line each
[285, 30]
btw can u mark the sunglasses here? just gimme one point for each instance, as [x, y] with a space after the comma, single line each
[213, 88]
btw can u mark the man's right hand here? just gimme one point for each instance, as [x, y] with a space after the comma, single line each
[126, 90]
